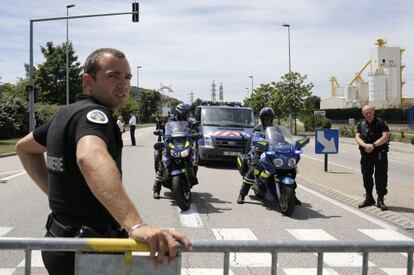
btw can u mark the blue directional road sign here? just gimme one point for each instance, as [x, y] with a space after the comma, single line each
[327, 141]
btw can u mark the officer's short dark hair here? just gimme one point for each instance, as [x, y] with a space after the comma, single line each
[92, 65]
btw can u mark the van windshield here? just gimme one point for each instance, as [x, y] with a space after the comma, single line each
[230, 117]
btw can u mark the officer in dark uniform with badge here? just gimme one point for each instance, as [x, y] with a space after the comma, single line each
[82, 172]
[372, 137]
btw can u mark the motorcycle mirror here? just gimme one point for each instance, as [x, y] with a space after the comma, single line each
[158, 146]
[301, 142]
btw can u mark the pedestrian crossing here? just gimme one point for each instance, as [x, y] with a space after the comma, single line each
[334, 263]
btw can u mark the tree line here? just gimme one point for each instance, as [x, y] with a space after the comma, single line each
[50, 93]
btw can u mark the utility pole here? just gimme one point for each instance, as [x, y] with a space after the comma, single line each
[67, 52]
[213, 92]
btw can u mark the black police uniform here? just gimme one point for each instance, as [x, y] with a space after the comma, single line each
[377, 159]
[253, 157]
[75, 210]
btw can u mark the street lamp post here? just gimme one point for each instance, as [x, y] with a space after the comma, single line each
[247, 89]
[288, 28]
[138, 67]
[251, 76]
[67, 52]
[290, 70]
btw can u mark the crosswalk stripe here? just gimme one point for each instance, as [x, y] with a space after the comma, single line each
[7, 271]
[385, 235]
[203, 271]
[331, 259]
[4, 230]
[36, 259]
[243, 259]
[308, 271]
[190, 218]
[395, 271]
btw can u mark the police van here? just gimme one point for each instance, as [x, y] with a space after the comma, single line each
[226, 129]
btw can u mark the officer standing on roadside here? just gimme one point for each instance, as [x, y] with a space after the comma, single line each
[372, 137]
[82, 174]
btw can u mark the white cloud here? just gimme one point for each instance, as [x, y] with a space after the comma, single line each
[188, 44]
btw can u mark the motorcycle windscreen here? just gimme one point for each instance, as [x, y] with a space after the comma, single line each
[176, 128]
[278, 135]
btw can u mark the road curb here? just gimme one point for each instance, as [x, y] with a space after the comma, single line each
[391, 217]
[7, 155]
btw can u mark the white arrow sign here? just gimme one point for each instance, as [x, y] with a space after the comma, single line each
[328, 144]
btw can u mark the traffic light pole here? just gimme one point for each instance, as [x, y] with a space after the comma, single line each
[31, 80]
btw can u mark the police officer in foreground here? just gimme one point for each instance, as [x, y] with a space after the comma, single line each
[182, 112]
[372, 137]
[82, 174]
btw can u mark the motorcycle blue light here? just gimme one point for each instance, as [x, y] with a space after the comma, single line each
[298, 151]
[288, 181]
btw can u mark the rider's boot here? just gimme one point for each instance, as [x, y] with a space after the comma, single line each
[244, 190]
[157, 185]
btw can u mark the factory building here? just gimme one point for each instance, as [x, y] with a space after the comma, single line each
[383, 88]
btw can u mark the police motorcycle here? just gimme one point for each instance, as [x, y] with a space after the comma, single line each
[179, 160]
[275, 171]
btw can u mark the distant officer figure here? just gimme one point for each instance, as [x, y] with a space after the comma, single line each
[82, 174]
[372, 137]
[132, 124]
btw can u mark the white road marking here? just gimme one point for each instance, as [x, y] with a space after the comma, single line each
[347, 208]
[203, 271]
[331, 259]
[190, 218]
[395, 271]
[385, 235]
[308, 271]
[36, 259]
[243, 259]
[4, 230]
[3, 180]
[7, 271]
[336, 164]
[11, 172]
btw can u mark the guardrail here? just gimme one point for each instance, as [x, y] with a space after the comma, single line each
[225, 247]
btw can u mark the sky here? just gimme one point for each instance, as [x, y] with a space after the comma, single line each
[187, 44]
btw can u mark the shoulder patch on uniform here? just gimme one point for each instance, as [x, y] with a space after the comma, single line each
[97, 116]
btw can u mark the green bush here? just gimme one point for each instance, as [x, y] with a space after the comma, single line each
[347, 132]
[313, 122]
[44, 112]
[13, 117]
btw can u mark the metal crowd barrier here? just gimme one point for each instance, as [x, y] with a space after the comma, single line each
[126, 262]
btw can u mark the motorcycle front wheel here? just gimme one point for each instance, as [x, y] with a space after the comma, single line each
[287, 200]
[182, 199]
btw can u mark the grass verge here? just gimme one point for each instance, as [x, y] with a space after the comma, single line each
[7, 146]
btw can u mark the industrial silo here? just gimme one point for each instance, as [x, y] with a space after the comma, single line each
[350, 93]
[393, 90]
[377, 94]
[363, 92]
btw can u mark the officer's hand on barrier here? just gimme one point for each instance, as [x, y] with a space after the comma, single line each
[160, 241]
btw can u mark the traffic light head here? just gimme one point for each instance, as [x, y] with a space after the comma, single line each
[135, 8]
[29, 88]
